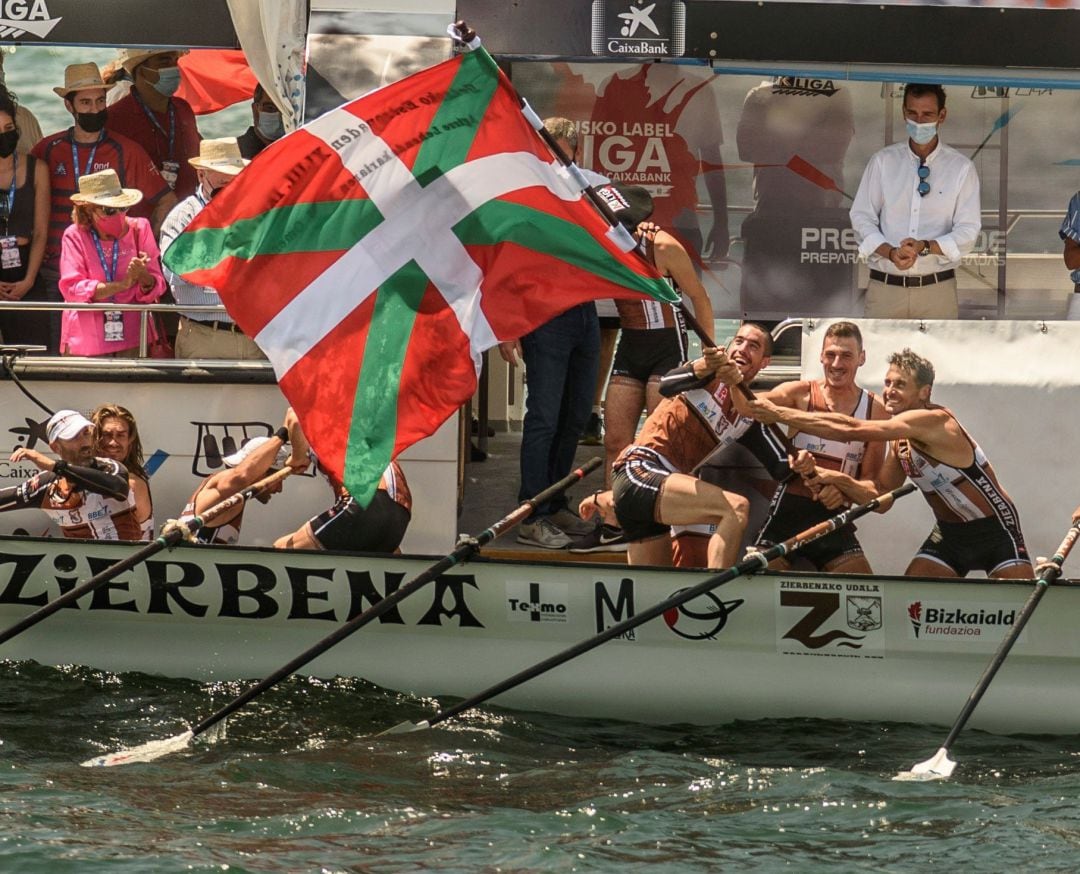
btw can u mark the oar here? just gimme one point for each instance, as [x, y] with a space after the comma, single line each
[940, 766]
[753, 562]
[465, 549]
[163, 541]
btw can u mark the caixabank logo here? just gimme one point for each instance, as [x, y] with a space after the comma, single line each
[641, 28]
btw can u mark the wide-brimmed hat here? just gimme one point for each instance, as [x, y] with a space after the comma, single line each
[82, 77]
[66, 424]
[103, 189]
[237, 458]
[221, 156]
[129, 59]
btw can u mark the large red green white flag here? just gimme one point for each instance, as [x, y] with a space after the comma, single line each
[374, 253]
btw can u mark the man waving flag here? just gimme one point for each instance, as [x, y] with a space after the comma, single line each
[377, 251]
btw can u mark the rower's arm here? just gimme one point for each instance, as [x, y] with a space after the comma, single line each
[672, 260]
[913, 424]
[858, 491]
[103, 476]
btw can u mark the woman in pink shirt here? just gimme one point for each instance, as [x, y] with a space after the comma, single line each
[106, 256]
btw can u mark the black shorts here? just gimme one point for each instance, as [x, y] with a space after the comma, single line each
[791, 514]
[979, 545]
[610, 323]
[636, 483]
[645, 353]
[348, 526]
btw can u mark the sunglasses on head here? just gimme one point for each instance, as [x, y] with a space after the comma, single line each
[114, 210]
[924, 186]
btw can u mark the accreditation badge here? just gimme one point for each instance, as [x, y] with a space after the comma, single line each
[9, 253]
[114, 326]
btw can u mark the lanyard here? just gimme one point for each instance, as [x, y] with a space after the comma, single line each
[169, 137]
[9, 201]
[89, 161]
[110, 272]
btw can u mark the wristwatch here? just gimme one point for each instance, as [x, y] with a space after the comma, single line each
[925, 250]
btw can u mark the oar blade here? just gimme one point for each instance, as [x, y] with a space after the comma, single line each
[405, 727]
[147, 752]
[938, 767]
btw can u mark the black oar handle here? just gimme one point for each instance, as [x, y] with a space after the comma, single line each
[167, 538]
[465, 549]
[1046, 575]
[753, 562]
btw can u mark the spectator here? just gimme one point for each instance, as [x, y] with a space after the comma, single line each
[86, 497]
[206, 335]
[107, 256]
[561, 359]
[24, 220]
[29, 129]
[149, 114]
[89, 146]
[916, 214]
[267, 125]
[1070, 233]
[253, 461]
[379, 527]
[118, 439]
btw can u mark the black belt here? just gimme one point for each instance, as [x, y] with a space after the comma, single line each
[231, 327]
[912, 281]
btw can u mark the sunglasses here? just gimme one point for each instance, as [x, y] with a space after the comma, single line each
[114, 210]
[924, 186]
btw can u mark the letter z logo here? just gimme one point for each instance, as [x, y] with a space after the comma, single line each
[823, 606]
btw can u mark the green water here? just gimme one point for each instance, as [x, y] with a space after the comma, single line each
[299, 784]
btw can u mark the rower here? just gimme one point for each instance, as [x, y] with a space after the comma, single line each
[977, 525]
[86, 496]
[250, 463]
[795, 505]
[652, 488]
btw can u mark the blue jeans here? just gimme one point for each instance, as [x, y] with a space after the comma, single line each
[561, 361]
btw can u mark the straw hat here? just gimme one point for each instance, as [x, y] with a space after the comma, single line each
[238, 457]
[221, 156]
[103, 189]
[82, 77]
[129, 59]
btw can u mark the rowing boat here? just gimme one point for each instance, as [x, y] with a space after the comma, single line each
[769, 646]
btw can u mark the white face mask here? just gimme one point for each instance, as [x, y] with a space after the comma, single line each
[921, 133]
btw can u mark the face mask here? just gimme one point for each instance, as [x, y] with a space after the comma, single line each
[91, 122]
[113, 225]
[8, 141]
[270, 125]
[922, 133]
[168, 81]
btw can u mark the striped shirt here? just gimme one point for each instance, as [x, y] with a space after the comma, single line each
[184, 292]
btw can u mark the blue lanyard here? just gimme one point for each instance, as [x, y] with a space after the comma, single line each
[170, 137]
[89, 161]
[110, 272]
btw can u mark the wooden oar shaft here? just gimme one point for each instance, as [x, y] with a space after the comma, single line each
[1047, 575]
[464, 550]
[751, 563]
[163, 541]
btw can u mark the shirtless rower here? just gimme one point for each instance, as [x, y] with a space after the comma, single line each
[87, 497]
[652, 488]
[978, 526]
[796, 505]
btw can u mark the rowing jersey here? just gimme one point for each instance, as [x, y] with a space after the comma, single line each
[840, 455]
[648, 314]
[91, 502]
[957, 494]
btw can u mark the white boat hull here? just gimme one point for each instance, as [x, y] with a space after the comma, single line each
[768, 646]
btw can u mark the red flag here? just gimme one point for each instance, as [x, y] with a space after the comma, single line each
[212, 79]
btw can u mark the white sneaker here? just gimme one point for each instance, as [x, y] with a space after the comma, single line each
[571, 523]
[543, 532]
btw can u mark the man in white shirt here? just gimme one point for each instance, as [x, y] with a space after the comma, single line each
[917, 212]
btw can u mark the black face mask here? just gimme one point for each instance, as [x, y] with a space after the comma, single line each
[8, 141]
[92, 122]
